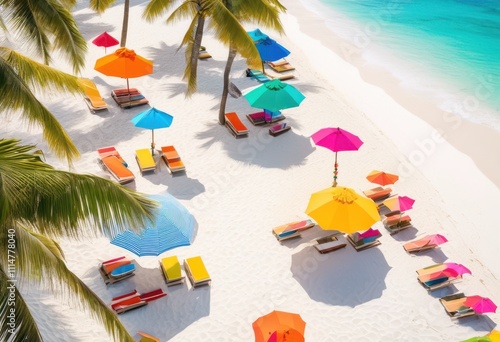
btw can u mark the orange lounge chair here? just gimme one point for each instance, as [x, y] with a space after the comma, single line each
[235, 126]
[92, 97]
[110, 159]
[172, 159]
[436, 276]
[378, 194]
[292, 229]
[281, 66]
[279, 129]
[455, 306]
[397, 223]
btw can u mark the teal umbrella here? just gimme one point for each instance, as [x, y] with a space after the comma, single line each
[152, 119]
[274, 96]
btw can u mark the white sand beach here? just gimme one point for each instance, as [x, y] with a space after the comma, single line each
[239, 189]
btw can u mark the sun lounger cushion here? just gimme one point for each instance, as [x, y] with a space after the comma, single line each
[145, 160]
[92, 96]
[172, 159]
[234, 124]
[197, 272]
[279, 129]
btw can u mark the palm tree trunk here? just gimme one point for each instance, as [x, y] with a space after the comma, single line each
[126, 7]
[225, 89]
[195, 52]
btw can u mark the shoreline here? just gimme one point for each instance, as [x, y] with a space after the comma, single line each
[428, 149]
[457, 130]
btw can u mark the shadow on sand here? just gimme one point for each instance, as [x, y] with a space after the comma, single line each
[343, 277]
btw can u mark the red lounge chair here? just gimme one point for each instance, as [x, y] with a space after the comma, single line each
[279, 129]
[134, 299]
[235, 126]
[397, 223]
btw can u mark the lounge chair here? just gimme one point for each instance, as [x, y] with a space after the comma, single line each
[115, 270]
[437, 276]
[235, 126]
[172, 159]
[292, 229]
[454, 306]
[328, 244]
[196, 271]
[257, 75]
[92, 97]
[419, 245]
[279, 129]
[203, 53]
[134, 300]
[396, 223]
[147, 337]
[365, 240]
[264, 117]
[128, 98]
[145, 160]
[111, 161]
[172, 270]
[281, 66]
[378, 194]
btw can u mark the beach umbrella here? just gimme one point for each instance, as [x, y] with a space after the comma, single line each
[152, 119]
[279, 326]
[274, 96]
[257, 35]
[124, 63]
[340, 208]
[270, 50]
[480, 304]
[459, 268]
[336, 140]
[399, 203]
[382, 178]
[106, 40]
[173, 226]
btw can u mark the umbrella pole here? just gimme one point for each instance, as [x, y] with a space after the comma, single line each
[152, 142]
[335, 171]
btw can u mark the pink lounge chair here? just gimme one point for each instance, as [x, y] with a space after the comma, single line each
[365, 240]
[279, 129]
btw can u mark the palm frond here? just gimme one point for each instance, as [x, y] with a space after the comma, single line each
[186, 10]
[16, 96]
[263, 12]
[60, 203]
[37, 262]
[16, 322]
[100, 5]
[156, 8]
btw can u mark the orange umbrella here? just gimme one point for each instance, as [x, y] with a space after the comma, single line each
[124, 63]
[382, 178]
[279, 326]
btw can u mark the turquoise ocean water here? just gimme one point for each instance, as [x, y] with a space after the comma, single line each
[456, 43]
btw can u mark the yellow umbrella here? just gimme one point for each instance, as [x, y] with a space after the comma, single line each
[340, 208]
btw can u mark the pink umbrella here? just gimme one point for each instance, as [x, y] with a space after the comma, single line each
[399, 203]
[459, 268]
[104, 39]
[480, 304]
[336, 140]
[435, 239]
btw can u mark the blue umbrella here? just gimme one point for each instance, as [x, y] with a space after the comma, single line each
[270, 50]
[152, 119]
[173, 227]
[257, 35]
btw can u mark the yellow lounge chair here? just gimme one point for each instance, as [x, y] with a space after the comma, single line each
[145, 160]
[172, 270]
[196, 271]
[147, 337]
[92, 97]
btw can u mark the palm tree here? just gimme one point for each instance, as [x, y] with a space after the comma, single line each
[265, 13]
[39, 204]
[47, 26]
[102, 5]
[225, 25]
